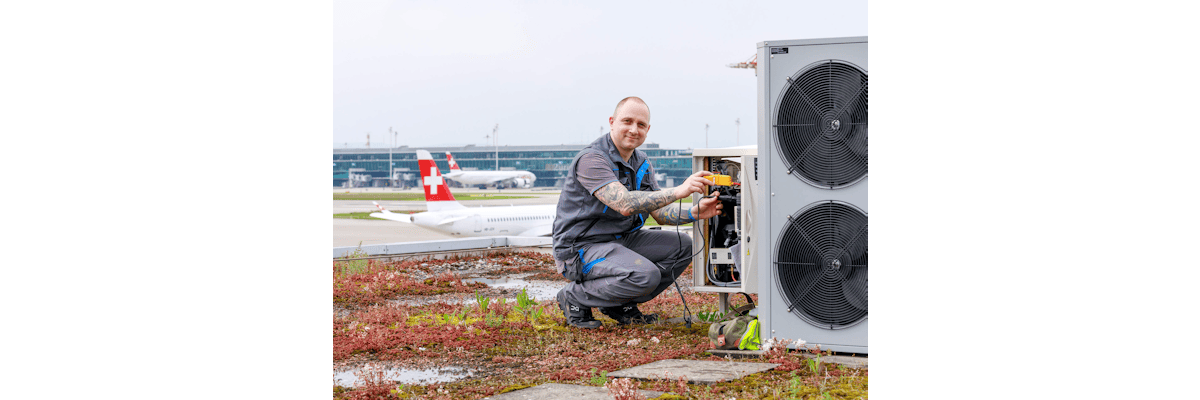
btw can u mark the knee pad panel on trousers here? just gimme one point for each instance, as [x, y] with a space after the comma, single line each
[646, 280]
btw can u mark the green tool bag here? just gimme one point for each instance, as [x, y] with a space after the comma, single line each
[740, 332]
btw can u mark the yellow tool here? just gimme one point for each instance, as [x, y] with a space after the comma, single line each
[719, 180]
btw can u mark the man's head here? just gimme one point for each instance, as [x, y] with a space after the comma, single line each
[630, 123]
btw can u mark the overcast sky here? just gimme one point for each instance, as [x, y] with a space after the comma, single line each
[445, 73]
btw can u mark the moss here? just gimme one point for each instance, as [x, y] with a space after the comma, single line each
[669, 396]
[512, 388]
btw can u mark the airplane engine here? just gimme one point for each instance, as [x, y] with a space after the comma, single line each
[522, 182]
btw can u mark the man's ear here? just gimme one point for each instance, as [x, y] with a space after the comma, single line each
[610, 122]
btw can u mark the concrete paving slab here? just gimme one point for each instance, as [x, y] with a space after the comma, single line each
[852, 362]
[563, 391]
[703, 372]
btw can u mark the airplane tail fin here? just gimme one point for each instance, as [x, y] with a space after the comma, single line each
[453, 164]
[437, 193]
[388, 215]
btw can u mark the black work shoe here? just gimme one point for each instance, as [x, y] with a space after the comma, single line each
[629, 314]
[577, 315]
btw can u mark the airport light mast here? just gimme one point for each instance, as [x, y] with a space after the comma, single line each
[496, 144]
[391, 165]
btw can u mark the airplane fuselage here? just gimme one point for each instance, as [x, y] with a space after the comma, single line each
[490, 221]
[447, 215]
[518, 178]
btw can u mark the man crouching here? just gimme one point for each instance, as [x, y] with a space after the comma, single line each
[599, 244]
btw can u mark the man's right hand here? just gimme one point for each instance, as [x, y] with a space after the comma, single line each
[693, 184]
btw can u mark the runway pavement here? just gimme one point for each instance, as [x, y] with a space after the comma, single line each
[351, 232]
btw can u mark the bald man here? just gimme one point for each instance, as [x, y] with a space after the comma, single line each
[599, 244]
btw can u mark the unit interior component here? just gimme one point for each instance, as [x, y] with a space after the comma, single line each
[724, 230]
[720, 256]
[821, 264]
[821, 124]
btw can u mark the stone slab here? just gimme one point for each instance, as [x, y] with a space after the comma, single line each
[563, 391]
[852, 362]
[700, 372]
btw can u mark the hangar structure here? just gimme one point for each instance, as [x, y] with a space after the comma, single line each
[361, 167]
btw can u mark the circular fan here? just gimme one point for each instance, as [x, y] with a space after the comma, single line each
[821, 264]
[821, 124]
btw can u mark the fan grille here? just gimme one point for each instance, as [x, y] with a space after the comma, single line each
[821, 264]
[821, 124]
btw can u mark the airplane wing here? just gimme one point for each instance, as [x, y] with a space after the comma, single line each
[388, 215]
[543, 230]
[393, 217]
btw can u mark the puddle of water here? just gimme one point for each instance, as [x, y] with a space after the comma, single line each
[539, 290]
[406, 376]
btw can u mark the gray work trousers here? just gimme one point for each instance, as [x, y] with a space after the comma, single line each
[628, 273]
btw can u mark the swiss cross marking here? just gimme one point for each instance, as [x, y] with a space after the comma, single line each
[433, 180]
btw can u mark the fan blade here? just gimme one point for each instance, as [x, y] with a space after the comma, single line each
[856, 245]
[856, 141]
[796, 227]
[797, 89]
[851, 105]
[855, 288]
[815, 143]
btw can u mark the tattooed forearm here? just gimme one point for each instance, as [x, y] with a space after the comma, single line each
[672, 214]
[629, 203]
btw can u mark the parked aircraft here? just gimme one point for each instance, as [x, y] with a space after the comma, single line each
[449, 216]
[522, 179]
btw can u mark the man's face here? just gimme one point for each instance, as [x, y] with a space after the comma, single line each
[630, 125]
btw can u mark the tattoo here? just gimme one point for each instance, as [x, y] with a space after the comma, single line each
[672, 214]
[637, 202]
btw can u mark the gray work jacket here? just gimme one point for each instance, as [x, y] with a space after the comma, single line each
[582, 219]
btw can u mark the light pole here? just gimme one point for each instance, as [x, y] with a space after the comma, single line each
[705, 135]
[496, 144]
[391, 165]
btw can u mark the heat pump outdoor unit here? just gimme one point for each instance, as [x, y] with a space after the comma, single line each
[812, 154]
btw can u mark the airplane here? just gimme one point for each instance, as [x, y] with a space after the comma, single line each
[447, 215]
[522, 179]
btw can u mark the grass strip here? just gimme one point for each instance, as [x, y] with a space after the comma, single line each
[359, 215]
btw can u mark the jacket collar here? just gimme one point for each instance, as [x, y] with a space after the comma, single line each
[605, 143]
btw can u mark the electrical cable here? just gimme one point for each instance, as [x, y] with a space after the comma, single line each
[687, 319]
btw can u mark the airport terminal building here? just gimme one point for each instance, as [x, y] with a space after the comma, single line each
[369, 167]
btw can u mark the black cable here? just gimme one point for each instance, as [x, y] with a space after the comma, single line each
[687, 319]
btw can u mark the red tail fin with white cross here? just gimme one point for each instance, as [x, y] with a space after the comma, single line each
[437, 193]
[453, 164]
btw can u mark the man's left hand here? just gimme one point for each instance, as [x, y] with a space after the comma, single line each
[708, 208]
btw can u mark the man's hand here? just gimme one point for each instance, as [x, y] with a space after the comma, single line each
[693, 184]
[708, 208]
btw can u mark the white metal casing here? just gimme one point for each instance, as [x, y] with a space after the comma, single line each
[746, 156]
[784, 194]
